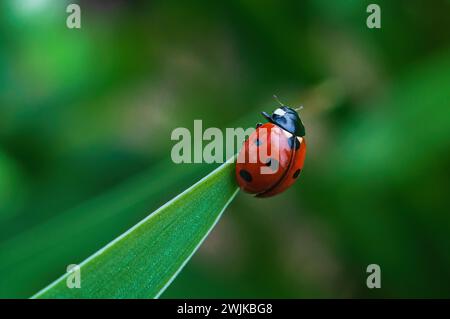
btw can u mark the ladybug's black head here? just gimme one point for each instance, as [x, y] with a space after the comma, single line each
[287, 119]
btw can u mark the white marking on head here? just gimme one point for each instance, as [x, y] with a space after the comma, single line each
[279, 112]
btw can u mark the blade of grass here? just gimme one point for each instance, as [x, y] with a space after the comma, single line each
[143, 261]
[33, 258]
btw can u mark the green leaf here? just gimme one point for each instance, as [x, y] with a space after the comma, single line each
[33, 258]
[143, 261]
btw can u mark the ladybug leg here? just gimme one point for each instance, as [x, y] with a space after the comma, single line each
[258, 125]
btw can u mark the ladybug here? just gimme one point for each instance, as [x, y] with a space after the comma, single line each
[271, 159]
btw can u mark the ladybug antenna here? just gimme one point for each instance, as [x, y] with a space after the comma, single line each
[299, 108]
[278, 100]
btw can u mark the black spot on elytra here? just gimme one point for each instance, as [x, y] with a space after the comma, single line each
[293, 141]
[297, 172]
[245, 175]
[258, 142]
[272, 163]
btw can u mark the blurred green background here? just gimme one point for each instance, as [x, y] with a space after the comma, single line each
[86, 117]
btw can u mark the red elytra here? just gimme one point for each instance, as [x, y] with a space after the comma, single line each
[272, 158]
